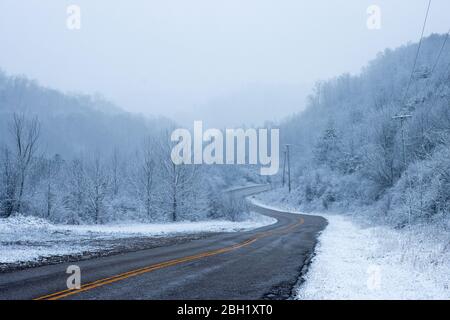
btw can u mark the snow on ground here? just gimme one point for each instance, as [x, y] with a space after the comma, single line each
[25, 238]
[356, 260]
[353, 262]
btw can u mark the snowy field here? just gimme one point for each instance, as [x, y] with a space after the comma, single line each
[356, 260]
[26, 238]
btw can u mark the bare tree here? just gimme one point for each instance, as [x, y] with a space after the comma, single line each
[25, 134]
[147, 178]
[179, 181]
[75, 199]
[8, 183]
[115, 162]
[50, 171]
[98, 187]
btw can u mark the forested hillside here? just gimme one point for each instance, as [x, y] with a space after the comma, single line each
[380, 139]
[72, 123]
[80, 159]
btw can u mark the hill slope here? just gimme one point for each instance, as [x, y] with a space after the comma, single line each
[348, 148]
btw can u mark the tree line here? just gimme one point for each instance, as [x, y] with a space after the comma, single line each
[144, 185]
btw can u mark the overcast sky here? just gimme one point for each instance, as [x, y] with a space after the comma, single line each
[171, 57]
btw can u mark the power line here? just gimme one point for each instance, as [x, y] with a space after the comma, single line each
[440, 52]
[445, 74]
[448, 70]
[429, 82]
[404, 117]
[417, 53]
[288, 161]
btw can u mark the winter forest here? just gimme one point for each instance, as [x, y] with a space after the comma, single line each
[77, 159]
[378, 140]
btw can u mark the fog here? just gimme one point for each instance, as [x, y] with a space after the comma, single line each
[228, 62]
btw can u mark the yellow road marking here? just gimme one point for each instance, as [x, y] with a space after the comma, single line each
[101, 282]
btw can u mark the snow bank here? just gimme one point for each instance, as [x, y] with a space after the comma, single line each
[26, 238]
[375, 263]
[253, 221]
[356, 260]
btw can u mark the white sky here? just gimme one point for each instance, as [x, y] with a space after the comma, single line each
[171, 56]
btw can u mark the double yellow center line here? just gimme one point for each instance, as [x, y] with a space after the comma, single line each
[98, 283]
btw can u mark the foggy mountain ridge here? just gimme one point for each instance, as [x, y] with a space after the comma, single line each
[73, 123]
[47, 99]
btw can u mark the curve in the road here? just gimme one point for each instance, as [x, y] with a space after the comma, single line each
[257, 264]
[125, 275]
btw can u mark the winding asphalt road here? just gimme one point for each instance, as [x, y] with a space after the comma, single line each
[260, 264]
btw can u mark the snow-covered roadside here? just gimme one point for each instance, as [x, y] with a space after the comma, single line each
[362, 261]
[29, 239]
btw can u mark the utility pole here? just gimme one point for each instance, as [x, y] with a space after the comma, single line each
[289, 166]
[284, 167]
[402, 119]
